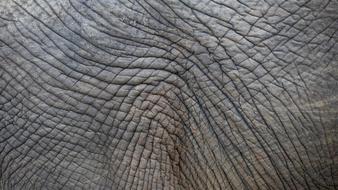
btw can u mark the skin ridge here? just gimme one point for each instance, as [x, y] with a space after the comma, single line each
[168, 94]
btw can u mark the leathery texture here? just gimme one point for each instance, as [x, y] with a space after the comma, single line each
[168, 94]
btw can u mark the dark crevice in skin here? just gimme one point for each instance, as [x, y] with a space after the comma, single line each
[209, 29]
[207, 116]
[191, 133]
[274, 133]
[166, 117]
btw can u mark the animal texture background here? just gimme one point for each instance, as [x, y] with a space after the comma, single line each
[168, 94]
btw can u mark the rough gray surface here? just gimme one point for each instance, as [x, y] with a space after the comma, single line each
[168, 94]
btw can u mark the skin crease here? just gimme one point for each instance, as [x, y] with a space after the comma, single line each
[168, 94]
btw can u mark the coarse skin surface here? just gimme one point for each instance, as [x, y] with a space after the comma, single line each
[168, 94]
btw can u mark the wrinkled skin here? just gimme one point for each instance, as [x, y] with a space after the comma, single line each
[168, 94]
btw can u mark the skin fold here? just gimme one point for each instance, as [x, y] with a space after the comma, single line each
[168, 94]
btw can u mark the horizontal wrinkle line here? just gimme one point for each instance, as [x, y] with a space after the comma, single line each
[98, 62]
[63, 37]
[79, 34]
[72, 69]
[42, 100]
[38, 64]
[28, 72]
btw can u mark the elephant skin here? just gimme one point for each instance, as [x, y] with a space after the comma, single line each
[168, 94]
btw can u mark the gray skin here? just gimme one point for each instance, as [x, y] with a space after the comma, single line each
[168, 94]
